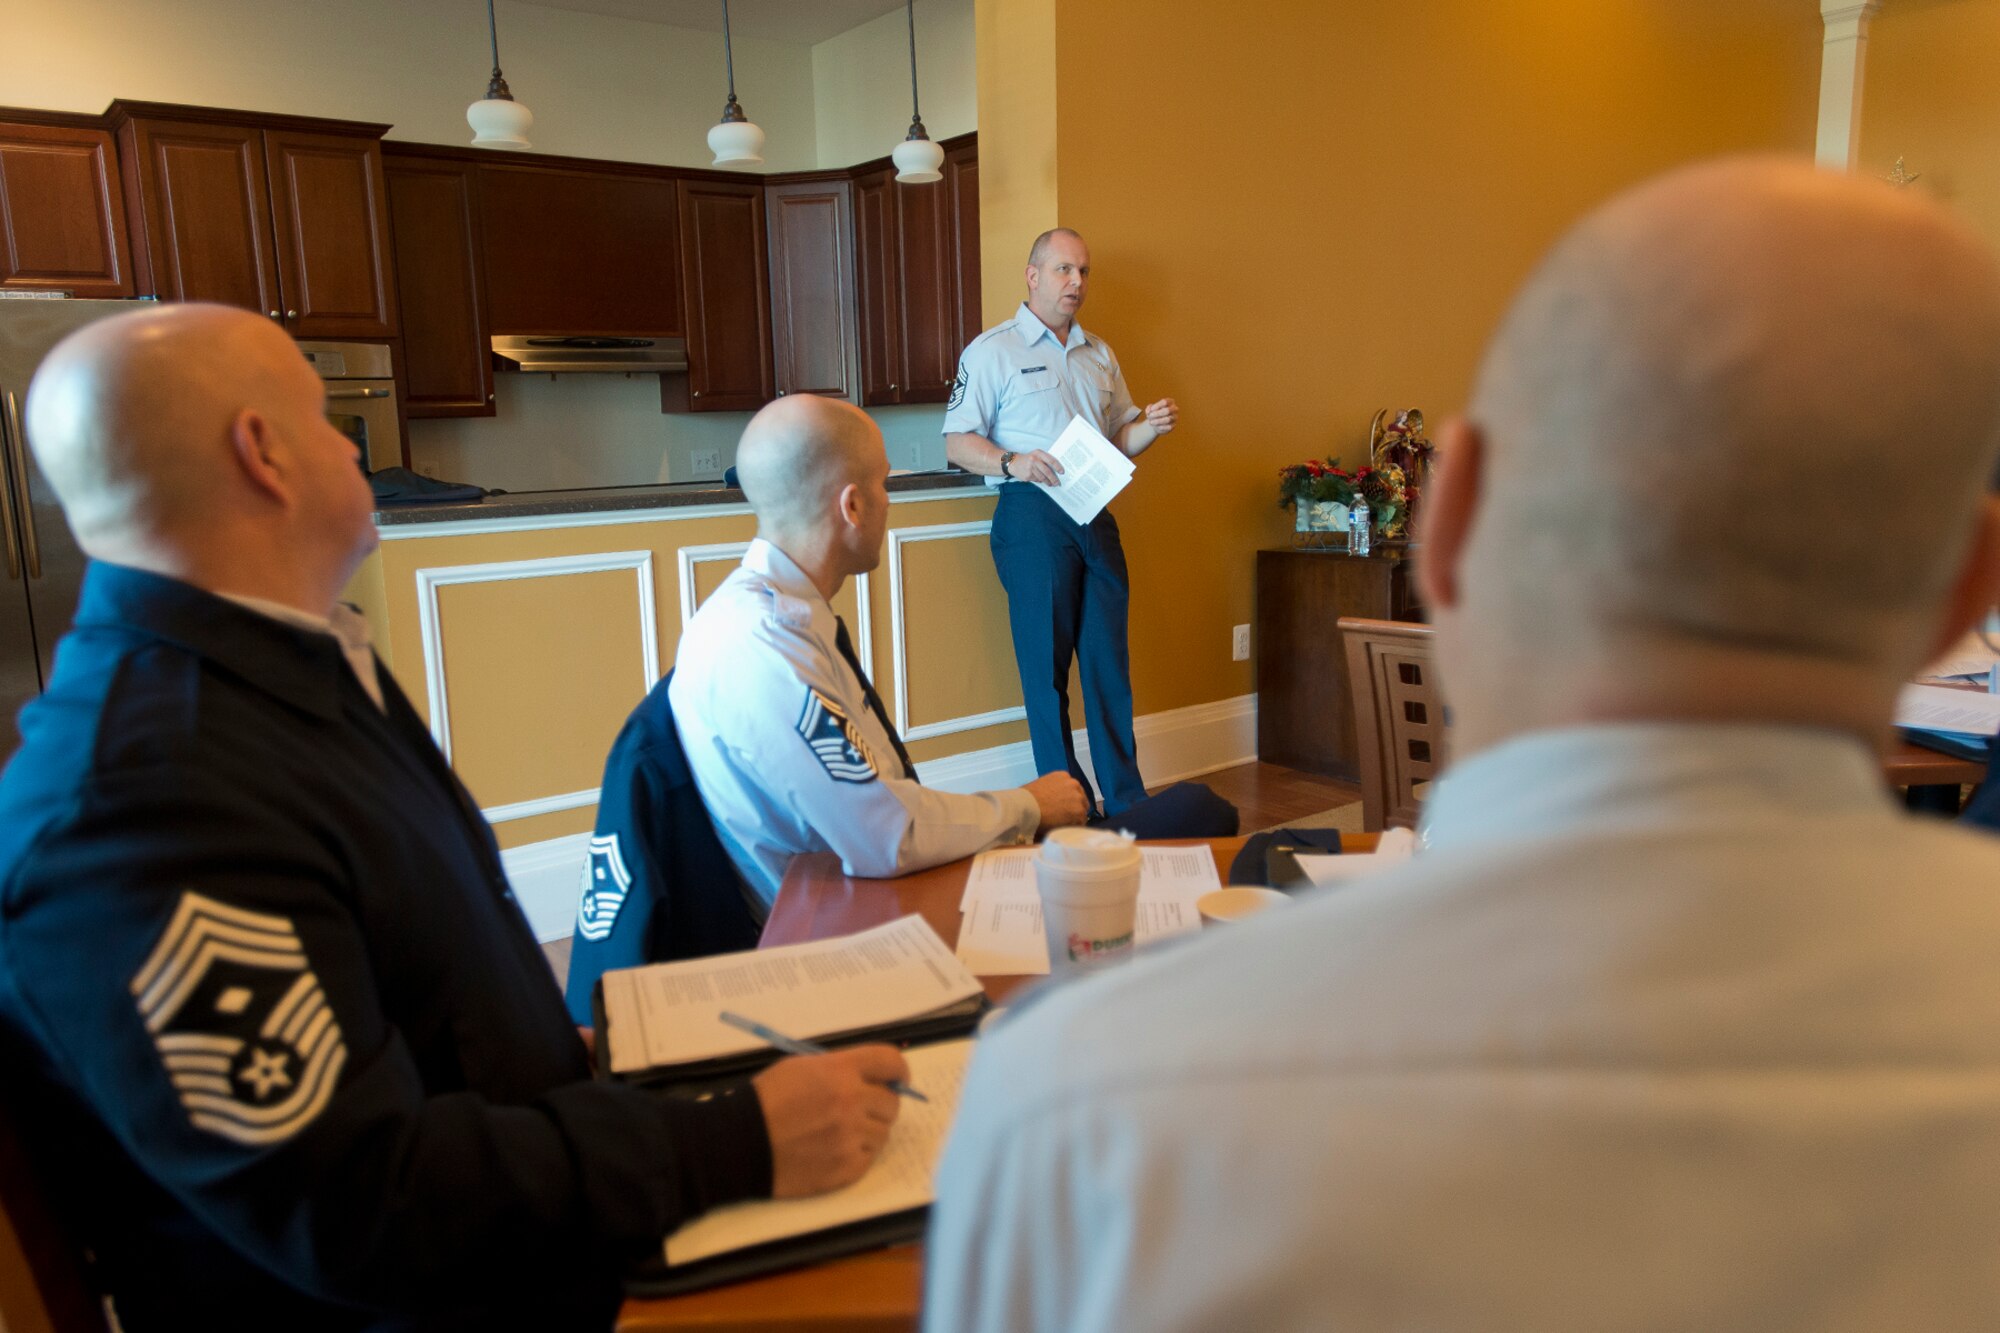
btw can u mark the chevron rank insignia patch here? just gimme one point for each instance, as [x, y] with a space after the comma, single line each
[957, 390]
[605, 883]
[240, 1021]
[834, 741]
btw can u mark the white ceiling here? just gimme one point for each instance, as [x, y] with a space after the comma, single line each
[804, 21]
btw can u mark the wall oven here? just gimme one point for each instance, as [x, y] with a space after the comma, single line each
[361, 398]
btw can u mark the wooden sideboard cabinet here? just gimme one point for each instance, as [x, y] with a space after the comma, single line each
[62, 217]
[1305, 717]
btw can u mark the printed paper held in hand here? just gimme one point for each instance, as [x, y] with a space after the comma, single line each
[666, 1014]
[1094, 470]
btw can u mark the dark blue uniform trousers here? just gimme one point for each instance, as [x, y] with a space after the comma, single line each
[1066, 597]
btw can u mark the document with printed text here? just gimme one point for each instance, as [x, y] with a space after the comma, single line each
[1395, 848]
[1094, 471]
[901, 1179]
[667, 1014]
[1939, 708]
[1001, 935]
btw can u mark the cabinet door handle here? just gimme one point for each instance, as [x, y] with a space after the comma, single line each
[17, 448]
[291, 314]
[276, 314]
[892, 386]
[7, 505]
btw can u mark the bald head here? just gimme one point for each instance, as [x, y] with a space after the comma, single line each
[1038, 253]
[795, 458]
[192, 440]
[1750, 405]
[130, 417]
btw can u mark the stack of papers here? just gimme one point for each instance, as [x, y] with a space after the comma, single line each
[1094, 470]
[1961, 721]
[1002, 932]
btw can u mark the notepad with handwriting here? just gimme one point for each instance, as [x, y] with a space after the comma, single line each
[901, 1179]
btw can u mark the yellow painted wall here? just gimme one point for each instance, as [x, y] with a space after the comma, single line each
[1301, 212]
[1016, 42]
[540, 672]
[1931, 98]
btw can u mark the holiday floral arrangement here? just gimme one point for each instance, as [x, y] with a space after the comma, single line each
[1399, 454]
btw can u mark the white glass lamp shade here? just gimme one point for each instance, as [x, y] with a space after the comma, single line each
[736, 143]
[499, 123]
[917, 161]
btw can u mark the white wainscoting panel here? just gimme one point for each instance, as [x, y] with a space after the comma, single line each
[430, 580]
[899, 630]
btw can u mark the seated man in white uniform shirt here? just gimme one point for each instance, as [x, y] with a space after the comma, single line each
[1676, 1021]
[785, 737]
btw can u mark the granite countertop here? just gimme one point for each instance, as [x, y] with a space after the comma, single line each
[607, 499]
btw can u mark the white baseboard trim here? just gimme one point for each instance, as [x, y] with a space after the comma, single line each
[545, 877]
[1173, 745]
[1177, 744]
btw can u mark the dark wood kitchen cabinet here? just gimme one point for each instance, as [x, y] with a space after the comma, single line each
[62, 216]
[814, 328]
[434, 225]
[918, 268]
[280, 214]
[585, 248]
[724, 274]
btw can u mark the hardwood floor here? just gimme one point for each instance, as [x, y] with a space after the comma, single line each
[1269, 794]
[1264, 794]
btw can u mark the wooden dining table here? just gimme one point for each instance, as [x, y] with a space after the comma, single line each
[877, 1292]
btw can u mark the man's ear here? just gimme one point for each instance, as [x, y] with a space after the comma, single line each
[1451, 502]
[849, 501]
[258, 458]
[1976, 591]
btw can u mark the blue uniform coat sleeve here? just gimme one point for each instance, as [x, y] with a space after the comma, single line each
[384, 1195]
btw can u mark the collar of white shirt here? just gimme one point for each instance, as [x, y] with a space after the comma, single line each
[347, 627]
[1636, 776]
[1033, 330]
[762, 558]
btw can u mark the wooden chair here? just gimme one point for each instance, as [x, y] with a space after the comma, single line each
[43, 1286]
[1399, 719]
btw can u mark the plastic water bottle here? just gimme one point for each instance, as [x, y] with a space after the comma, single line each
[1358, 524]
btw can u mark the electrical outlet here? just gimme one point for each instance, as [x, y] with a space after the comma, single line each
[706, 463]
[1239, 644]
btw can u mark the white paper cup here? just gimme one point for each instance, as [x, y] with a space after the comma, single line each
[1219, 906]
[1089, 884]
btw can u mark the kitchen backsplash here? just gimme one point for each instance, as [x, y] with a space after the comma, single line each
[605, 430]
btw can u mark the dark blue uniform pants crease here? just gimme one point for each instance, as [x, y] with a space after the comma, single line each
[1067, 595]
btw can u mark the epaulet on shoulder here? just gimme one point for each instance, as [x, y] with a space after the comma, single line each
[789, 611]
[990, 333]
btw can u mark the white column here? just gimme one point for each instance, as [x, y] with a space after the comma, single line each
[1842, 63]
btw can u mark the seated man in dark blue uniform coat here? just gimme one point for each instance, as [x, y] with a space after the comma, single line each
[273, 1019]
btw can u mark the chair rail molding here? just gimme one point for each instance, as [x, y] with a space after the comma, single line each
[431, 580]
[1842, 68]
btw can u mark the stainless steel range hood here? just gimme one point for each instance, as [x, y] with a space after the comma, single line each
[592, 356]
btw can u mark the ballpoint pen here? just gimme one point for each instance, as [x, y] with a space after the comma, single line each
[793, 1046]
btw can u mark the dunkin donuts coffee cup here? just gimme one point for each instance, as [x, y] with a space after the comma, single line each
[1089, 884]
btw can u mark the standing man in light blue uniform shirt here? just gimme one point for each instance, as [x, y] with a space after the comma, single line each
[1018, 385]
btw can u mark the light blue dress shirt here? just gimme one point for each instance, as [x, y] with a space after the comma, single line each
[1018, 386]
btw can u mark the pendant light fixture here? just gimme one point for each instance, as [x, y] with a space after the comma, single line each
[917, 159]
[498, 121]
[734, 140]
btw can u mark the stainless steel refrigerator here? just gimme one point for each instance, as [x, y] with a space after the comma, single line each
[44, 568]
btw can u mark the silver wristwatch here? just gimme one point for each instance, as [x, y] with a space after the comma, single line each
[1005, 459]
